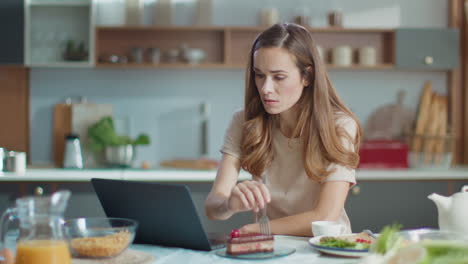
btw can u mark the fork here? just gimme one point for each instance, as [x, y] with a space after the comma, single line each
[264, 221]
[370, 233]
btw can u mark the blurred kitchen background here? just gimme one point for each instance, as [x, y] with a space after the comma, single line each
[185, 107]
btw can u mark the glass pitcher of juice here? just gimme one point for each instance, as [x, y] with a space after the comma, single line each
[41, 236]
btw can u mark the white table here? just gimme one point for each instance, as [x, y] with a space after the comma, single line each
[304, 254]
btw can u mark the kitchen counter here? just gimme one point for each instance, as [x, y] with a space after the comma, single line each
[177, 175]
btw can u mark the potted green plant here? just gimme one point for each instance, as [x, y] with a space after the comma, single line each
[75, 51]
[119, 150]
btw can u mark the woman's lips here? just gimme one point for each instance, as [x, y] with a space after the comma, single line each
[270, 102]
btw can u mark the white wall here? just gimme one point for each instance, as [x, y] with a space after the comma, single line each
[162, 102]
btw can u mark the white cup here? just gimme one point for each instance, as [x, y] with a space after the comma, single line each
[327, 228]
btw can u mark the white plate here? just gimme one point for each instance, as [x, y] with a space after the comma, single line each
[342, 252]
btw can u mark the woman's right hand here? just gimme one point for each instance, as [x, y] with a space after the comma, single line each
[248, 195]
[8, 256]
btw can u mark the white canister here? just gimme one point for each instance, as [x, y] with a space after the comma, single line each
[155, 55]
[320, 53]
[269, 16]
[204, 12]
[342, 55]
[15, 162]
[133, 12]
[163, 13]
[367, 55]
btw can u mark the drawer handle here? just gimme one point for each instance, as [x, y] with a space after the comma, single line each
[429, 60]
[356, 190]
[39, 191]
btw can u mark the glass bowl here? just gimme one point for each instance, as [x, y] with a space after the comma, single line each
[424, 234]
[99, 237]
[420, 246]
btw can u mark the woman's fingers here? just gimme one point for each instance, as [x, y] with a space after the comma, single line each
[265, 192]
[248, 194]
[257, 193]
[237, 193]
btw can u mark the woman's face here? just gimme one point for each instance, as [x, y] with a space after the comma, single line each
[278, 79]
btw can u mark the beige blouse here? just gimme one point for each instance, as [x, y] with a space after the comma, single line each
[292, 192]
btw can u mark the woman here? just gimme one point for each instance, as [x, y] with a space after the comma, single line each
[294, 134]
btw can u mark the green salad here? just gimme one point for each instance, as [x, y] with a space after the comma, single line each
[342, 243]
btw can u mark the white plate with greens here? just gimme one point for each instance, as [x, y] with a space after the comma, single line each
[339, 248]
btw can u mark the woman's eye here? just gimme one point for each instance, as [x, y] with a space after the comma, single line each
[280, 77]
[258, 75]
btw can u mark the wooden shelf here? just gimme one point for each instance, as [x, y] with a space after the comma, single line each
[354, 67]
[164, 65]
[241, 28]
[160, 28]
[62, 64]
[59, 3]
[228, 46]
[361, 67]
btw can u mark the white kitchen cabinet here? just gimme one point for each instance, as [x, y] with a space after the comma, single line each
[50, 24]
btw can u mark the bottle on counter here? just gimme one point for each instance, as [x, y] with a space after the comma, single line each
[73, 158]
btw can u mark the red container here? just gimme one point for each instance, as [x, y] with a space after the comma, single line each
[383, 154]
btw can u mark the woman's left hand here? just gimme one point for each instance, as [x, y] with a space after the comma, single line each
[250, 228]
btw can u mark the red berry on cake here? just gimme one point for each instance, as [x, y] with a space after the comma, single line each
[235, 233]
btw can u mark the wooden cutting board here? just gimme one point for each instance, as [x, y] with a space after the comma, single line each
[390, 121]
[83, 116]
[195, 164]
[76, 118]
[62, 127]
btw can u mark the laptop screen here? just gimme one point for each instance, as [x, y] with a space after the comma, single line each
[165, 212]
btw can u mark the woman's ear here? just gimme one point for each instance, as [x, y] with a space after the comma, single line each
[307, 76]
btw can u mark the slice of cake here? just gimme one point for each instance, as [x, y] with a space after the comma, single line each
[239, 244]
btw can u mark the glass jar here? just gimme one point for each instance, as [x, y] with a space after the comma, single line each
[41, 236]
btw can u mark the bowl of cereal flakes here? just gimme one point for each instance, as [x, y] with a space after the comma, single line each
[99, 237]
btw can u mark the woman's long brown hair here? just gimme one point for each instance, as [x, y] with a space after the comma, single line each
[320, 107]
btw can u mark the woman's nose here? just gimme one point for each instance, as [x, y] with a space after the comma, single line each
[267, 86]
